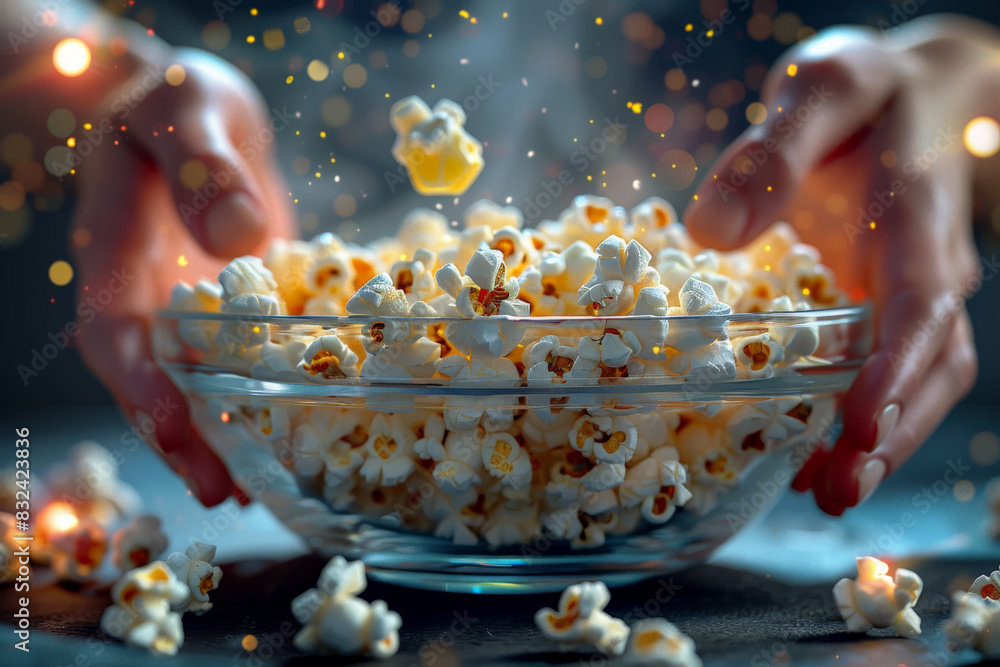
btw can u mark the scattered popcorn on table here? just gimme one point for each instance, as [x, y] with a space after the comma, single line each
[141, 614]
[437, 305]
[339, 623]
[581, 623]
[77, 552]
[974, 623]
[875, 600]
[138, 544]
[88, 481]
[654, 642]
[440, 156]
[194, 569]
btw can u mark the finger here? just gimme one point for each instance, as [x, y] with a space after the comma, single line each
[115, 332]
[851, 476]
[214, 189]
[840, 84]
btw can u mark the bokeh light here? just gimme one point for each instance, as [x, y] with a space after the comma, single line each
[71, 57]
[659, 117]
[274, 39]
[345, 205]
[982, 136]
[984, 448]
[60, 273]
[216, 35]
[335, 111]
[11, 196]
[964, 491]
[676, 169]
[61, 123]
[175, 75]
[355, 75]
[756, 113]
[318, 70]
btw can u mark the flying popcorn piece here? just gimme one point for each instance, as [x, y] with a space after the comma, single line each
[581, 623]
[138, 544]
[987, 586]
[339, 623]
[875, 600]
[440, 156]
[622, 271]
[654, 642]
[328, 359]
[141, 614]
[194, 570]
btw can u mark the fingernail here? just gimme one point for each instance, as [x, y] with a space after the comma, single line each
[242, 498]
[869, 478]
[234, 224]
[192, 484]
[885, 422]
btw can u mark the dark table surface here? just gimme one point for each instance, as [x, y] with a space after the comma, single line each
[764, 599]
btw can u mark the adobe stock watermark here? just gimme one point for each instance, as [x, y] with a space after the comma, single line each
[613, 133]
[746, 165]
[484, 89]
[249, 148]
[562, 12]
[46, 17]
[901, 13]
[87, 310]
[436, 649]
[913, 169]
[696, 46]
[364, 35]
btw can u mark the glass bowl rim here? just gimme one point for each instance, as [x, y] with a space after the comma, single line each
[841, 314]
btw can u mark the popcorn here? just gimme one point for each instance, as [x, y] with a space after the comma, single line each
[714, 361]
[809, 281]
[138, 544]
[974, 623]
[194, 570]
[339, 623]
[204, 297]
[876, 600]
[654, 642]
[762, 425]
[415, 277]
[278, 361]
[449, 466]
[389, 450]
[289, 261]
[505, 526]
[505, 459]
[655, 225]
[987, 587]
[483, 291]
[141, 614]
[424, 228]
[465, 412]
[440, 156]
[551, 287]
[328, 359]
[248, 289]
[78, 551]
[485, 213]
[757, 355]
[606, 439]
[581, 623]
[548, 362]
[697, 297]
[575, 476]
[88, 480]
[622, 271]
[607, 356]
[705, 450]
[656, 485]
[798, 339]
[589, 218]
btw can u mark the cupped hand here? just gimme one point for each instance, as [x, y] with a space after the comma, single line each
[862, 152]
[189, 185]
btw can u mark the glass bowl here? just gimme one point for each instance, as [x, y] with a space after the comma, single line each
[499, 480]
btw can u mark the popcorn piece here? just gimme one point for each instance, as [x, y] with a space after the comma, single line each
[88, 480]
[697, 297]
[581, 623]
[415, 277]
[194, 569]
[622, 271]
[457, 517]
[289, 262]
[204, 297]
[548, 362]
[77, 552]
[705, 450]
[974, 623]
[389, 449]
[589, 218]
[424, 228]
[654, 642]
[574, 477]
[440, 156]
[607, 356]
[506, 526]
[762, 425]
[338, 623]
[466, 412]
[551, 287]
[758, 355]
[604, 438]
[450, 467]
[485, 213]
[506, 460]
[328, 359]
[656, 485]
[809, 281]
[652, 301]
[141, 615]
[987, 587]
[799, 339]
[249, 290]
[714, 361]
[278, 361]
[876, 600]
[138, 544]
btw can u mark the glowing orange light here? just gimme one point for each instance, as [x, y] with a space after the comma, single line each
[58, 518]
[224, 416]
[71, 57]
